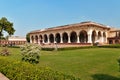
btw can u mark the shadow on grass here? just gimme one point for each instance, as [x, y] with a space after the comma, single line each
[104, 77]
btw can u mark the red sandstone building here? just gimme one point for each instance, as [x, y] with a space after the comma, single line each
[13, 40]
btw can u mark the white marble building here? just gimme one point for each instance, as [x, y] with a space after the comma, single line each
[73, 34]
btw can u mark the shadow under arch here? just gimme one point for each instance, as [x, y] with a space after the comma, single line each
[65, 37]
[83, 36]
[57, 37]
[73, 37]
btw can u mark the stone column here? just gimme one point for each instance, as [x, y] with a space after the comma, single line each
[78, 40]
[96, 37]
[43, 40]
[102, 39]
[69, 38]
[89, 36]
[48, 39]
[61, 38]
[116, 34]
[34, 40]
[106, 37]
[54, 38]
[38, 39]
[30, 39]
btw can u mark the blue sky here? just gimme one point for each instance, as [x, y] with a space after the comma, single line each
[28, 15]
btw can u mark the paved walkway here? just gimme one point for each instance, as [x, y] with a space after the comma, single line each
[2, 77]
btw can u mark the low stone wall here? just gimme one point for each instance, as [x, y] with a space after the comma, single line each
[6, 42]
[62, 45]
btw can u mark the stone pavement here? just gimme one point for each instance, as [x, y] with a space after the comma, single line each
[2, 77]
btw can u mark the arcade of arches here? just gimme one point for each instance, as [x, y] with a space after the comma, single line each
[81, 33]
[72, 37]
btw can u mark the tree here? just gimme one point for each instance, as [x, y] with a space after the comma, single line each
[7, 26]
[28, 37]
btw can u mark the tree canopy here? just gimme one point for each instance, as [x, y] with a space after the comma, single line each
[28, 37]
[6, 26]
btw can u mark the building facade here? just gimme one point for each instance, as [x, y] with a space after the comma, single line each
[13, 40]
[79, 34]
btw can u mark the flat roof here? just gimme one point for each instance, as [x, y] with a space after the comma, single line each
[72, 25]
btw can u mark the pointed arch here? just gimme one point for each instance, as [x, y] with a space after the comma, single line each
[73, 37]
[41, 38]
[57, 38]
[45, 38]
[36, 39]
[110, 41]
[51, 38]
[83, 37]
[94, 35]
[99, 35]
[32, 38]
[65, 37]
[104, 37]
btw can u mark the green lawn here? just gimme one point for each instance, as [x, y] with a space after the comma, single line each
[88, 64]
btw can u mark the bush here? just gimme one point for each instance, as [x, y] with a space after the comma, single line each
[118, 60]
[25, 71]
[4, 51]
[111, 46]
[96, 45]
[48, 49]
[31, 53]
[69, 48]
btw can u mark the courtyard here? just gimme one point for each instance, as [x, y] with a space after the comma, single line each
[87, 64]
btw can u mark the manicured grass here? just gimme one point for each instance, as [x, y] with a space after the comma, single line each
[88, 64]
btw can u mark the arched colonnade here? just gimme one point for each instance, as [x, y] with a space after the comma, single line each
[82, 36]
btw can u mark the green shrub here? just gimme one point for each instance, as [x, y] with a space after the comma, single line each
[5, 51]
[118, 60]
[69, 48]
[31, 53]
[84, 47]
[48, 49]
[111, 46]
[25, 71]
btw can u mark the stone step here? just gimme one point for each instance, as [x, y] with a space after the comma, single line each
[2, 77]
